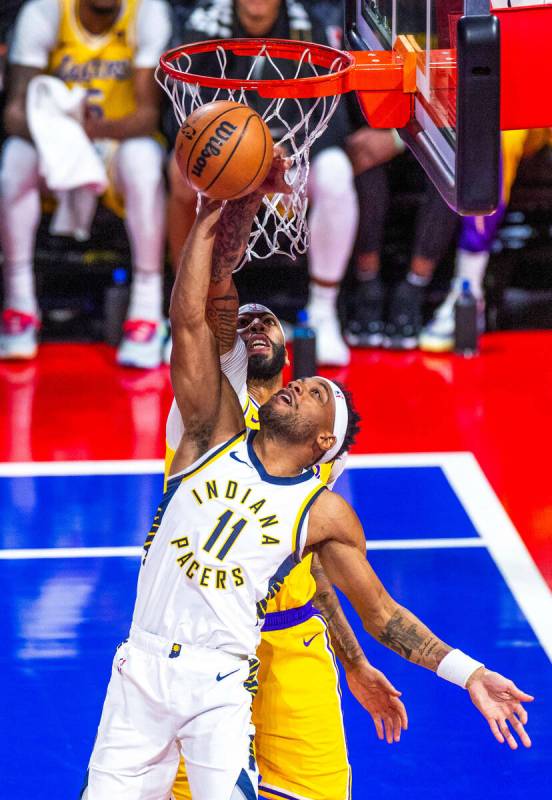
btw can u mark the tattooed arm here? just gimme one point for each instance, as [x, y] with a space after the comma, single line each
[344, 641]
[335, 533]
[233, 233]
[367, 684]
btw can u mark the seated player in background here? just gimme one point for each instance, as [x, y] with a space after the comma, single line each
[300, 740]
[200, 589]
[475, 241]
[369, 325]
[334, 212]
[111, 49]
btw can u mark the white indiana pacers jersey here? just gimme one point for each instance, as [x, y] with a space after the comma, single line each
[224, 537]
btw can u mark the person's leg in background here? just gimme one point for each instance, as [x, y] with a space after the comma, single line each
[333, 224]
[475, 241]
[139, 179]
[20, 214]
[181, 211]
[435, 226]
[365, 326]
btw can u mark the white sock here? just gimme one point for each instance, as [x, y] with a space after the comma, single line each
[145, 296]
[323, 298]
[334, 215]
[471, 267]
[19, 288]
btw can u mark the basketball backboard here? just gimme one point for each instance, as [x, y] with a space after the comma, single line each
[453, 47]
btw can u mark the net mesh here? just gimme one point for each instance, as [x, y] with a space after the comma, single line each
[295, 123]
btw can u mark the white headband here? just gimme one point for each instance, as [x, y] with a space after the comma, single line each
[341, 421]
[258, 308]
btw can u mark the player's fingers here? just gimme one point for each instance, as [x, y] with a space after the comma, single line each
[389, 730]
[506, 732]
[397, 727]
[519, 695]
[379, 727]
[520, 730]
[388, 686]
[401, 710]
[521, 713]
[496, 731]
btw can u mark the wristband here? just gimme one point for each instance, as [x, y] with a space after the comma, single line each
[457, 667]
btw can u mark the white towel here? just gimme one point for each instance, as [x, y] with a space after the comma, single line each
[68, 161]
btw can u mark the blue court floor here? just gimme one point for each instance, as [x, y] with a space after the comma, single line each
[70, 535]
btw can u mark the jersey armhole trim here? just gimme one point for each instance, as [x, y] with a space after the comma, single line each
[298, 534]
[207, 459]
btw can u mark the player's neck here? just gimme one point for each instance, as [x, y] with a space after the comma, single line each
[262, 389]
[94, 22]
[278, 459]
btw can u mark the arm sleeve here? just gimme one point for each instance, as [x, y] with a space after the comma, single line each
[234, 366]
[35, 34]
[153, 33]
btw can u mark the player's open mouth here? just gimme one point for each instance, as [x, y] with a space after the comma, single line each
[286, 397]
[258, 343]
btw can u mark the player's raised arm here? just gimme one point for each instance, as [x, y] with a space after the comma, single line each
[208, 406]
[231, 239]
[336, 533]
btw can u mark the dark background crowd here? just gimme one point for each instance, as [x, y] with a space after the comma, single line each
[402, 261]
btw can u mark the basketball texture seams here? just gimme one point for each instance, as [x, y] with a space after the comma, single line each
[224, 150]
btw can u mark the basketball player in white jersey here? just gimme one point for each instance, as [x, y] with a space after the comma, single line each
[239, 511]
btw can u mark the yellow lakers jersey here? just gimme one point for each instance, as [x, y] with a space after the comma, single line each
[102, 64]
[299, 586]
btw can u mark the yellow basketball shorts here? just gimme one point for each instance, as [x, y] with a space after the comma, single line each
[300, 738]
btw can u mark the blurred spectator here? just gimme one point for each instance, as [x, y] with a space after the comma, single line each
[476, 238]
[334, 211]
[110, 49]
[435, 226]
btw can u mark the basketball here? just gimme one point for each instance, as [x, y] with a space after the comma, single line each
[224, 150]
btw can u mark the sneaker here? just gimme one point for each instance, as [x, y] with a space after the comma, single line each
[438, 335]
[365, 328]
[331, 349]
[142, 344]
[18, 335]
[405, 317]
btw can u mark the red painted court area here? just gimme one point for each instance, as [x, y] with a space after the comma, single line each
[74, 403]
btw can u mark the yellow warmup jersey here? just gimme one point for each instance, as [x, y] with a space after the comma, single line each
[299, 586]
[101, 64]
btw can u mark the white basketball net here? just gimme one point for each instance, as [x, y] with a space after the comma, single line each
[281, 223]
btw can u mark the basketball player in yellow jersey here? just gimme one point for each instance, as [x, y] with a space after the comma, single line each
[111, 49]
[300, 740]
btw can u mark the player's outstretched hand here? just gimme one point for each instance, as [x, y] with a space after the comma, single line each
[380, 699]
[275, 182]
[499, 700]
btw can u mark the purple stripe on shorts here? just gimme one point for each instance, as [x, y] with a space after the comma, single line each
[277, 793]
[279, 620]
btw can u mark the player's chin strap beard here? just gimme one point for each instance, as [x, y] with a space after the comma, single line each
[341, 421]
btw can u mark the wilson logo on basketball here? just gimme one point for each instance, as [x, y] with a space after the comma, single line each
[223, 133]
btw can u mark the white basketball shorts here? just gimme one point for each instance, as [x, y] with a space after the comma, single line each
[165, 700]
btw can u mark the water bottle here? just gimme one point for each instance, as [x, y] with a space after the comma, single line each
[465, 322]
[115, 306]
[304, 348]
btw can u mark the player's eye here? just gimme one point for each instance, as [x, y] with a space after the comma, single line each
[316, 392]
[269, 321]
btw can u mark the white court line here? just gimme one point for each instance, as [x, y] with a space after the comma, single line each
[506, 547]
[465, 476]
[21, 553]
[21, 469]
[153, 466]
